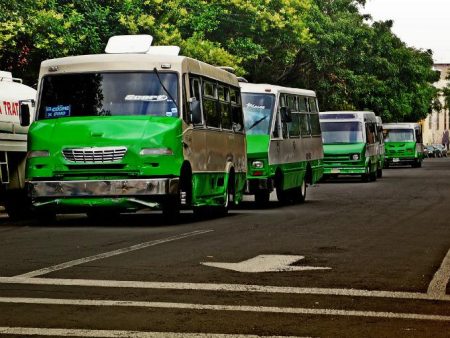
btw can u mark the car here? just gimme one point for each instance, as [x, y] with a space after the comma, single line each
[432, 151]
[442, 149]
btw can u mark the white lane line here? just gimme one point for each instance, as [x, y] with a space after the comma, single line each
[221, 288]
[438, 285]
[34, 331]
[231, 308]
[111, 253]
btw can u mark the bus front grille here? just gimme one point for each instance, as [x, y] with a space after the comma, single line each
[94, 154]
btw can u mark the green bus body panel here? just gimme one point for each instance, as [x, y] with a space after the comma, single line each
[402, 150]
[132, 132]
[337, 159]
[209, 188]
[293, 173]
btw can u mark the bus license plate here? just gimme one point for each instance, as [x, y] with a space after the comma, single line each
[395, 160]
[335, 171]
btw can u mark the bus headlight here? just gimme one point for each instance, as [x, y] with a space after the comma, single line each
[355, 157]
[258, 164]
[38, 153]
[156, 151]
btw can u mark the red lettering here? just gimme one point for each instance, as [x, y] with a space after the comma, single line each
[15, 108]
[8, 108]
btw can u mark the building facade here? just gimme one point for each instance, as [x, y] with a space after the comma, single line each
[436, 123]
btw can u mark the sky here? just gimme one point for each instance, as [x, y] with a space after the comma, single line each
[423, 24]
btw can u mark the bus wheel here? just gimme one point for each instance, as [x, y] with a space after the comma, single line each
[379, 172]
[300, 193]
[373, 176]
[262, 198]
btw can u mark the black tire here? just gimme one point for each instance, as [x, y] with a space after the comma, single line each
[299, 194]
[379, 172]
[18, 205]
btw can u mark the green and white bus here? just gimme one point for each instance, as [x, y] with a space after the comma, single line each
[351, 144]
[284, 143]
[137, 127]
[404, 144]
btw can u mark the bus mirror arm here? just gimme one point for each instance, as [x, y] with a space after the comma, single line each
[195, 111]
[24, 112]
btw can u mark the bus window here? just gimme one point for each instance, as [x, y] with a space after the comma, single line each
[302, 104]
[370, 133]
[315, 124]
[313, 105]
[195, 89]
[212, 114]
[304, 125]
[237, 117]
[224, 104]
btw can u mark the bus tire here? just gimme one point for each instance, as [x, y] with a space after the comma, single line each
[17, 205]
[300, 193]
[373, 176]
[379, 172]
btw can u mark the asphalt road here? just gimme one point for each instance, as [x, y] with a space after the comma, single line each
[356, 260]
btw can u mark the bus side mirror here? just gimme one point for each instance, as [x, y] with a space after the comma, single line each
[24, 115]
[286, 116]
[196, 111]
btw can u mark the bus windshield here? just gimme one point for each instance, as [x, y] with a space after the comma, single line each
[398, 135]
[109, 94]
[257, 113]
[342, 132]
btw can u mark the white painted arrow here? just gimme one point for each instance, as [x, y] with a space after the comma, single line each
[266, 263]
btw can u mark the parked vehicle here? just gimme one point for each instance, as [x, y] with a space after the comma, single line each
[442, 150]
[431, 151]
[13, 143]
[123, 131]
[284, 143]
[403, 143]
[351, 145]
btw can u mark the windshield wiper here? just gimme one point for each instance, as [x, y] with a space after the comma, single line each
[165, 89]
[257, 122]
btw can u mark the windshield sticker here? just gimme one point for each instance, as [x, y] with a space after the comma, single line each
[174, 111]
[169, 113]
[57, 111]
[254, 106]
[146, 98]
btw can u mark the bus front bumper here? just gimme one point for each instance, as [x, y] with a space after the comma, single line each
[103, 188]
[344, 170]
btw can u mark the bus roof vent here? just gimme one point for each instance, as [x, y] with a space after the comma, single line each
[164, 50]
[242, 79]
[129, 44]
[6, 76]
[337, 116]
[227, 69]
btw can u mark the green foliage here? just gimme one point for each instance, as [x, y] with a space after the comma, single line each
[324, 45]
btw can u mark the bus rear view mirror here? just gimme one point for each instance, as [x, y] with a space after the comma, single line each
[286, 116]
[196, 112]
[24, 114]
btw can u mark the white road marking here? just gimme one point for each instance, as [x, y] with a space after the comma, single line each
[221, 288]
[438, 285]
[266, 263]
[66, 265]
[31, 331]
[232, 308]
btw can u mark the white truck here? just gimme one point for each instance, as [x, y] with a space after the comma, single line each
[13, 143]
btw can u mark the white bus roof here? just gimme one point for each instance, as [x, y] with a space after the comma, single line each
[348, 116]
[134, 62]
[401, 125]
[268, 88]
